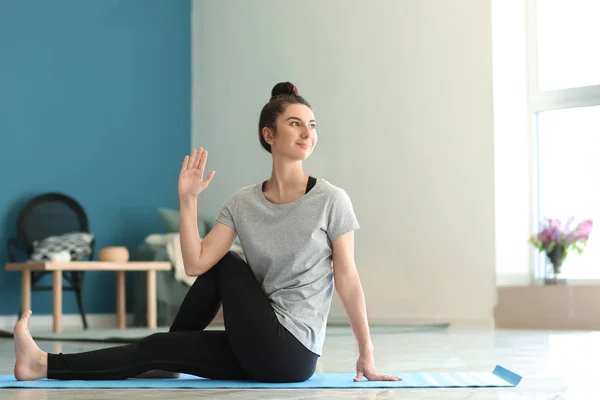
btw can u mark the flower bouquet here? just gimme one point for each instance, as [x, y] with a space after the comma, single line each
[557, 240]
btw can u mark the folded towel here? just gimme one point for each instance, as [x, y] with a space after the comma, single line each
[78, 245]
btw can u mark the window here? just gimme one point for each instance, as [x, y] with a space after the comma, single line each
[564, 106]
[567, 42]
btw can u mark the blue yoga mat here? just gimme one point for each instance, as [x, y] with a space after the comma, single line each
[499, 377]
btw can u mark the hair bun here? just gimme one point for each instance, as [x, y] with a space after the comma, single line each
[284, 88]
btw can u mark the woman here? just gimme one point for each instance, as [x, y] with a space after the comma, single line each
[275, 305]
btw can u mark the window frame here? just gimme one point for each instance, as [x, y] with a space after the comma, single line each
[539, 101]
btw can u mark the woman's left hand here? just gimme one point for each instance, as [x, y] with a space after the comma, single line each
[365, 366]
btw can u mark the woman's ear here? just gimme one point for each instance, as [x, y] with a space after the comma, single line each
[268, 135]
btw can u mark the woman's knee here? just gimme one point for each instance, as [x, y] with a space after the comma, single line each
[231, 258]
[232, 264]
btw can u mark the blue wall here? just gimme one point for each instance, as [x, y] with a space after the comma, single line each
[94, 103]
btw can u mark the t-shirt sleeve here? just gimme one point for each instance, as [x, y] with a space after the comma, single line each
[227, 214]
[341, 216]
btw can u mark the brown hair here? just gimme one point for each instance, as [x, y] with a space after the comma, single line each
[282, 94]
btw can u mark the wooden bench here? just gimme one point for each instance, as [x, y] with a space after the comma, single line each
[57, 268]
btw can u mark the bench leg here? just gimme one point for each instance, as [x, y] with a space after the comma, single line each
[121, 299]
[56, 300]
[151, 299]
[25, 290]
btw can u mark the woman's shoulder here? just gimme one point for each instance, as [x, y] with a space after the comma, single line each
[243, 192]
[331, 189]
[327, 188]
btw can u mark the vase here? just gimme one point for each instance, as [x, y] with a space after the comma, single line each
[556, 258]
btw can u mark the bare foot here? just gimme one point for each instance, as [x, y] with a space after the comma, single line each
[157, 373]
[32, 363]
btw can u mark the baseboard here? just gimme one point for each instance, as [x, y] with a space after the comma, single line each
[69, 322]
[455, 322]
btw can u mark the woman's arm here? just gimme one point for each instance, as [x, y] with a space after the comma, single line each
[188, 233]
[349, 288]
[198, 255]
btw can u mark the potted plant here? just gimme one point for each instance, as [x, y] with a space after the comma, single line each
[557, 240]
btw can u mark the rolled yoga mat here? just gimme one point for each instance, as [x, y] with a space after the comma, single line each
[499, 377]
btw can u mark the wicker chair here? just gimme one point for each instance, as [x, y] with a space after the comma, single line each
[50, 214]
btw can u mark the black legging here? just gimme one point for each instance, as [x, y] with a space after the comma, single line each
[253, 346]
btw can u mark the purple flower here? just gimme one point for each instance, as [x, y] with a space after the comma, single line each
[557, 240]
[568, 224]
[551, 233]
[545, 236]
[555, 233]
[581, 232]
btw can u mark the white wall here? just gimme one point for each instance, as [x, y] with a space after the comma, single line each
[402, 92]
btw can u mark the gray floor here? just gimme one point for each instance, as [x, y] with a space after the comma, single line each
[555, 365]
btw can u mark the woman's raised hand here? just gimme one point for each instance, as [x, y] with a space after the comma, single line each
[191, 179]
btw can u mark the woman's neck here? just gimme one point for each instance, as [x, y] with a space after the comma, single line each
[287, 182]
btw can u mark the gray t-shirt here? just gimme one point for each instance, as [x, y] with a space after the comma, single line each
[288, 247]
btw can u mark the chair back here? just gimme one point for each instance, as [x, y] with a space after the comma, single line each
[49, 214]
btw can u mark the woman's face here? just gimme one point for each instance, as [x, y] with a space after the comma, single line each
[296, 135]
